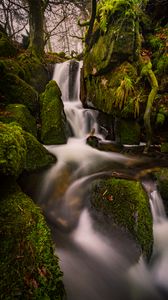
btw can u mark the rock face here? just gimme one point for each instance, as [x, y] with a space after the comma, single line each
[127, 204]
[122, 43]
[53, 120]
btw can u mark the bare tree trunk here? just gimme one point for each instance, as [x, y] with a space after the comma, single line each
[36, 19]
[91, 23]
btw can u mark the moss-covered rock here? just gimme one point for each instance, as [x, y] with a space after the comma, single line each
[7, 48]
[37, 156]
[53, 121]
[19, 113]
[127, 203]
[115, 92]
[15, 90]
[30, 269]
[36, 73]
[10, 65]
[128, 132]
[12, 149]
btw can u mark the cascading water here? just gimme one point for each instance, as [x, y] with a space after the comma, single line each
[96, 265]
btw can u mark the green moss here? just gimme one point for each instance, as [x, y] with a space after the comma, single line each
[128, 204]
[115, 92]
[162, 182]
[162, 65]
[30, 269]
[53, 122]
[160, 118]
[19, 113]
[12, 149]
[164, 148]
[11, 66]
[36, 72]
[37, 156]
[129, 132]
[16, 90]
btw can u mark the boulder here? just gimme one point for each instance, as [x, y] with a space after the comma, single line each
[53, 120]
[20, 114]
[29, 266]
[12, 150]
[37, 156]
[127, 204]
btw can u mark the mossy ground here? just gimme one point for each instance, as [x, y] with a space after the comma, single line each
[127, 203]
[28, 268]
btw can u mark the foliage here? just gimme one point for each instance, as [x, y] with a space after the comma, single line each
[162, 65]
[123, 91]
[107, 8]
[160, 118]
[30, 269]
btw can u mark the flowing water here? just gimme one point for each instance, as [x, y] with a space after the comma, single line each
[99, 263]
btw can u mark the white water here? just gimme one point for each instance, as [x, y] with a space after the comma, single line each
[97, 265]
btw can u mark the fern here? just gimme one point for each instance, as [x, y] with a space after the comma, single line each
[124, 90]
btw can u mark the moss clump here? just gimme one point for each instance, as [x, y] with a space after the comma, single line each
[53, 122]
[12, 149]
[16, 90]
[127, 203]
[30, 269]
[19, 113]
[37, 156]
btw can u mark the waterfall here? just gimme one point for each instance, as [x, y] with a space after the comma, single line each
[82, 121]
[96, 265]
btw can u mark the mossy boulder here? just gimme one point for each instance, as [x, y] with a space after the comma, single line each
[36, 73]
[37, 156]
[114, 46]
[7, 48]
[29, 267]
[53, 121]
[15, 90]
[10, 65]
[114, 92]
[19, 113]
[128, 132]
[12, 150]
[128, 205]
